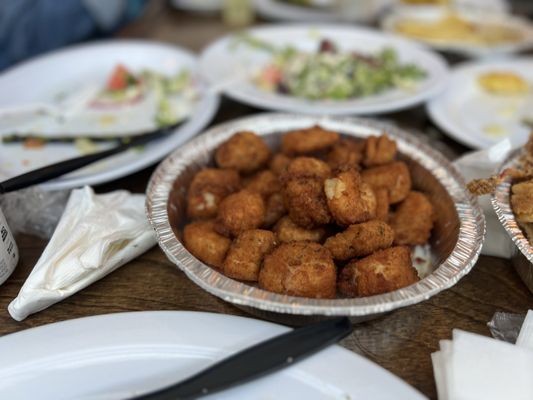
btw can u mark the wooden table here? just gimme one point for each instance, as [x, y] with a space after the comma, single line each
[401, 341]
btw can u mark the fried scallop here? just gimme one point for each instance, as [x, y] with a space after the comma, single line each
[382, 204]
[413, 220]
[246, 254]
[395, 177]
[287, 231]
[521, 201]
[279, 163]
[381, 272]
[275, 209]
[308, 141]
[265, 183]
[360, 240]
[207, 189]
[349, 199]
[303, 269]
[201, 239]
[306, 167]
[345, 153]
[306, 202]
[245, 151]
[379, 150]
[240, 212]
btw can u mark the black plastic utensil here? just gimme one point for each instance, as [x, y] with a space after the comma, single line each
[58, 169]
[256, 361]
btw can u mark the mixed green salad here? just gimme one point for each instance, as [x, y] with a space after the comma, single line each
[332, 74]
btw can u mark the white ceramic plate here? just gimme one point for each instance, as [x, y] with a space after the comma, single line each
[117, 356]
[43, 78]
[476, 118]
[222, 62]
[430, 14]
[321, 11]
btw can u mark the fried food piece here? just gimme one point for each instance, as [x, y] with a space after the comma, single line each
[382, 204]
[379, 150]
[360, 240]
[279, 163]
[275, 209]
[265, 183]
[208, 188]
[522, 201]
[394, 176]
[303, 269]
[381, 272]
[306, 167]
[240, 212]
[349, 200]
[413, 220]
[287, 231]
[246, 254]
[345, 153]
[201, 239]
[245, 151]
[307, 141]
[306, 202]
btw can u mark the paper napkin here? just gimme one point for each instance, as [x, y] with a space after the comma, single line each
[95, 235]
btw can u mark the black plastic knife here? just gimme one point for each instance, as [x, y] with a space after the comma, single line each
[256, 361]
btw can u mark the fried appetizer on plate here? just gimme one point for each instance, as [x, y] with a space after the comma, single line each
[522, 201]
[201, 239]
[279, 163]
[246, 254]
[360, 240]
[306, 167]
[308, 141]
[413, 220]
[379, 150]
[240, 212]
[382, 204]
[208, 188]
[346, 153]
[245, 151]
[265, 183]
[303, 269]
[381, 272]
[395, 177]
[287, 231]
[306, 202]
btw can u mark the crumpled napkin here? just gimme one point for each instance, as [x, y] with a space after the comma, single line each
[95, 235]
[472, 367]
[482, 164]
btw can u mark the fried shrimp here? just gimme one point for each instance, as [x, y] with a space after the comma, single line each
[381, 272]
[245, 151]
[303, 269]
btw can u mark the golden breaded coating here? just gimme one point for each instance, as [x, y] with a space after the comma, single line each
[201, 239]
[265, 183]
[275, 209]
[349, 200]
[381, 272]
[303, 269]
[382, 204]
[240, 212]
[394, 176]
[246, 254]
[413, 220]
[522, 201]
[287, 231]
[306, 167]
[379, 150]
[279, 163]
[307, 141]
[208, 188]
[360, 240]
[245, 151]
[306, 202]
[346, 153]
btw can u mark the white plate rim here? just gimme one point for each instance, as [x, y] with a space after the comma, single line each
[205, 112]
[277, 103]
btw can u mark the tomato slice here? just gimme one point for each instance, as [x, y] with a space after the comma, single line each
[118, 79]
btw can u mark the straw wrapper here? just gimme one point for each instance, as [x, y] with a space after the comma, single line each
[95, 235]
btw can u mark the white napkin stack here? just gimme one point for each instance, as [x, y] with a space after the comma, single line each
[95, 235]
[473, 367]
[482, 164]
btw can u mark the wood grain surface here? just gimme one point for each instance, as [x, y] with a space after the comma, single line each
[401, 341]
